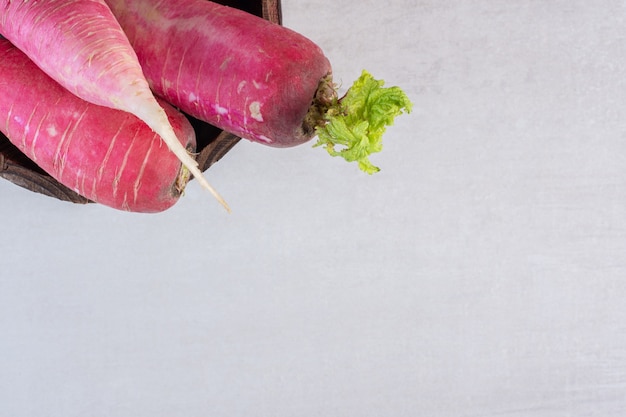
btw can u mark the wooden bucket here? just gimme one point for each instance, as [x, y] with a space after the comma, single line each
[212, 143]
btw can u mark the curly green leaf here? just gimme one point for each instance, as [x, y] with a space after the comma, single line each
[355, 124]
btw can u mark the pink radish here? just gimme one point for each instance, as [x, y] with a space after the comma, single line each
[80, 44]
[106, 155]
[254, 78]
[222, 65]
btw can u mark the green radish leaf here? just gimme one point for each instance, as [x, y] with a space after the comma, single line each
[355, 123]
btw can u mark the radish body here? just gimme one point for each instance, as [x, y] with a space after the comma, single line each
[80, 44]
[106, 155]
[232, 69]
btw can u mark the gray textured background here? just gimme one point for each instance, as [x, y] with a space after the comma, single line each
[481, 273]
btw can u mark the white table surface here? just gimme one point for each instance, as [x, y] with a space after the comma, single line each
[482, 272]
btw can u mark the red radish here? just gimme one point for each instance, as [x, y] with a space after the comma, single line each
[106, 155]
[80, 44]
[254, 78]
[232, 69]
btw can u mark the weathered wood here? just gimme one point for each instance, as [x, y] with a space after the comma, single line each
[272, 11]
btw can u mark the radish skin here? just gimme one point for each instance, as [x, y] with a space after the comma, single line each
[106, 155]
[80, 44]
[234, 70]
